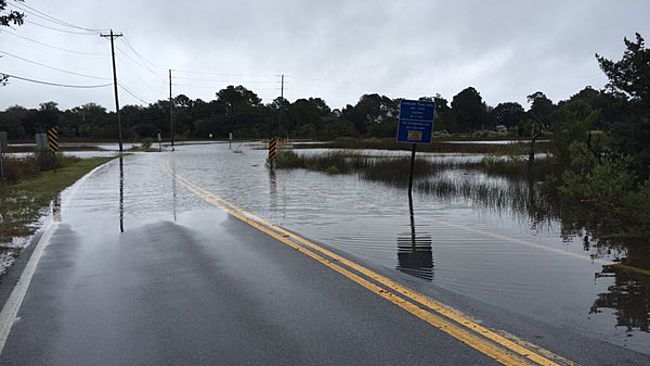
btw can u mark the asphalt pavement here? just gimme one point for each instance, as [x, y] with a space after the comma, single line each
[206, 289]
[128, 275]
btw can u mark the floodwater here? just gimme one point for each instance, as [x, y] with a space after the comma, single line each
[500, 257]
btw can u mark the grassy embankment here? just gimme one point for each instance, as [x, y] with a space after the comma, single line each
[31, 186]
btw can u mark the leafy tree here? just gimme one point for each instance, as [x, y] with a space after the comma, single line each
[630, 78]
[11, 121]
[371, 109]
[541, 109]
[508, 114]
[469, 112]
[7, 18]
[10, 17]
[631, 74]
[235, 98]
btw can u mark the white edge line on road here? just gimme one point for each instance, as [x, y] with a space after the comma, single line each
[10, 310]
[9, 313]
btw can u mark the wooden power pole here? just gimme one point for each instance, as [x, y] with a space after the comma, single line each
[112, 36]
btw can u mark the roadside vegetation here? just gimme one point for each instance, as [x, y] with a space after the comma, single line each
[597, 166]
[31, 185]
[451, 145]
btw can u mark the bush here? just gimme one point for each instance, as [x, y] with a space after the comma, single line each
[17, 169]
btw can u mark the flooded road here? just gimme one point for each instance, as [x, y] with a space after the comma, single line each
[499, 258]
[140, 258]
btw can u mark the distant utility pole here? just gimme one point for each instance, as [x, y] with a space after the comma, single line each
[171, 111]
[117, 103]
[281, 105]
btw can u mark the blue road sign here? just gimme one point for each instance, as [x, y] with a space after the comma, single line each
[415, 121]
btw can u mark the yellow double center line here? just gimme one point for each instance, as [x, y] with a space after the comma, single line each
[504, 350]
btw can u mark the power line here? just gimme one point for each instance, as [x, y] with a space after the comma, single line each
[139, 64]
[52, 19]
[128, 44]
[58, 29]
[228, 79]
[140, 80]
[54, 68]
[132, 93]
[55, 84]
[55, 47]
[214, 87]
[223, 74]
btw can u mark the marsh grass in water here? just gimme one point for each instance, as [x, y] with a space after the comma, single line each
[395, 170]
[470, 147]
[509, 185]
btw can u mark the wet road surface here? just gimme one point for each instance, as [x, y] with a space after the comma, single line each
[206, 289]
[186, 283]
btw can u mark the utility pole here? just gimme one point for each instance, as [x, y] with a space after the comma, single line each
[171, 111]
[112, 36]
[281, 105]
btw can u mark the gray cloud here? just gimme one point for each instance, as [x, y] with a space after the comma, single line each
[336, 50]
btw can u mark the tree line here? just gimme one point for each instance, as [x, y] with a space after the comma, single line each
[239, 110]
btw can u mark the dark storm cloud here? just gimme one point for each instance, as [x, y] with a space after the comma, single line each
[337, 50]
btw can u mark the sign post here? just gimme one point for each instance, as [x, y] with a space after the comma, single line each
[41, 141]
[415, 125]
[3, 147]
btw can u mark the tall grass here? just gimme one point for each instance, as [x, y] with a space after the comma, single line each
[17, 169]
[395, 170]
[435, 146]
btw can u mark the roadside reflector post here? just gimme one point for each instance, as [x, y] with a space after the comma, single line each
[53, 144]
[273, 148]
[415, 126]
[159, 142]
[53, 140]
[230, 140]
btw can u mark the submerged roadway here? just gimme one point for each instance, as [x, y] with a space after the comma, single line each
[132, 278]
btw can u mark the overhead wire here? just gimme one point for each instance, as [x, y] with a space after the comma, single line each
[49, 83]
[54, 68]
[133, 94]
[139, 63]
[27, 21]
[144, 59]
[52, 46]
[43, 15]
[123, 66]
[223, 74]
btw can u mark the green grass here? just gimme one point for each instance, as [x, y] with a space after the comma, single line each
[22, 202]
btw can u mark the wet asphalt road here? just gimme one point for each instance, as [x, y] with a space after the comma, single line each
[204, 289]
[185, 283]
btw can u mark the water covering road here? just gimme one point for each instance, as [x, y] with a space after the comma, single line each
[532, 282]
[495, 257]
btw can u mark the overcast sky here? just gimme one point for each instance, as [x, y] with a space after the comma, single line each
[336, 50]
